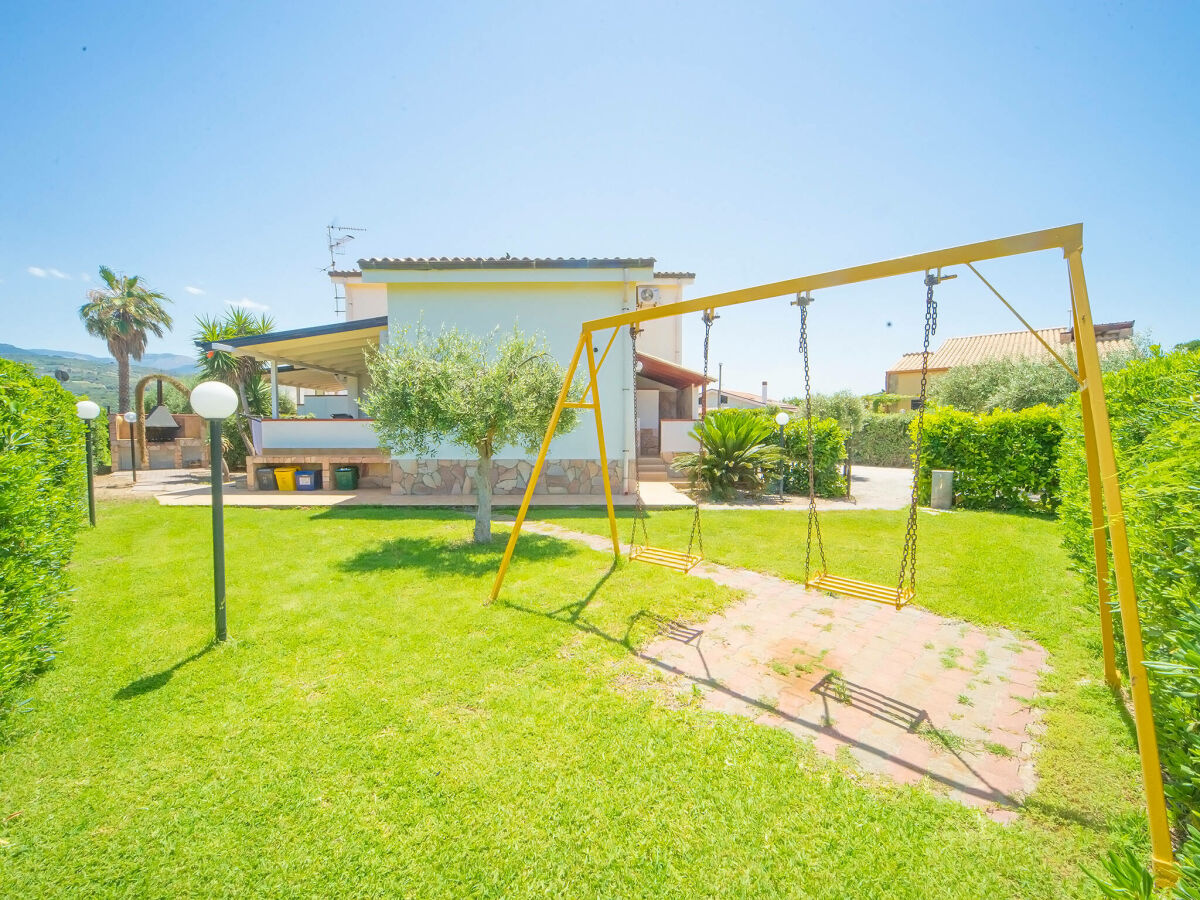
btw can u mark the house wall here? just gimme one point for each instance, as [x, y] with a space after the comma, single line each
[479, 301]
[365, 301]
[664, 337]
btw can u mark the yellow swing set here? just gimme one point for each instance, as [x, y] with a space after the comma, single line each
[1108, 520]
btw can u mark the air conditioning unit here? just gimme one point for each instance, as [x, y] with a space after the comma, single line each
[648, 296]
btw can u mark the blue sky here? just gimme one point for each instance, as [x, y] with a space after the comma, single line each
[206, 146]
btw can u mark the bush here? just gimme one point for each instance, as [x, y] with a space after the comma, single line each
[883, 440]
[1001, 460]
[739, 453]
[829, 449]
[1155, 420]
[42, 491]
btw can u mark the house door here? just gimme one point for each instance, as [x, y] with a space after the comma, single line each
[647, 437]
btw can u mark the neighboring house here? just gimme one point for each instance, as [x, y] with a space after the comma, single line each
[552, 297]
[904, 377]
[727, 399]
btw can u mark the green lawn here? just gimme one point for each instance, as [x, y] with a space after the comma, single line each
[372, 729]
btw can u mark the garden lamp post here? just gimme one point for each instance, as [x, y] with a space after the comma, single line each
[781, 419]
[130, 419]
[216, 402]
[87, 410]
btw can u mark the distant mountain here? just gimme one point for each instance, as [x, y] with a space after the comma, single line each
[95, 376]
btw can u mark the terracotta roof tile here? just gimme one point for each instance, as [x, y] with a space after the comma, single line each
[977, 348]
[505, 262]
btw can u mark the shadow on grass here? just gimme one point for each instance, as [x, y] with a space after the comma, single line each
[437, 556]
[148, 683]
[396, 513]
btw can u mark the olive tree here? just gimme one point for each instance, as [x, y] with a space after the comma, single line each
[480, 394]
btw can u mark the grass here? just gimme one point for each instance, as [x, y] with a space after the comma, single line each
[372, 729]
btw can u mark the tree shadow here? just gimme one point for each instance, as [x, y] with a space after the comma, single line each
[436, 556]
[463, 513]
[148, 683]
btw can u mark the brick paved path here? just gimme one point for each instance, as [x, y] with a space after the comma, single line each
[911, 695]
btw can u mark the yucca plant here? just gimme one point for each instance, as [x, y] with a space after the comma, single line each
[737, 455]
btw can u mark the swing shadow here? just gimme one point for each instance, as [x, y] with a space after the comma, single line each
[888, 708]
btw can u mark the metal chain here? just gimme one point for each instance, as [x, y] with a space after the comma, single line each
[639, 508]
[908, 559]
[697, 533]
[814, 524]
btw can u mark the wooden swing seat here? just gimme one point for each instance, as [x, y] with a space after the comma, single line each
[668, 559]
[860, 590]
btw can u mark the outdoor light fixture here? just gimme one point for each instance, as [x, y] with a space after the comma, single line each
[216, 402]
[87, 410]
[781, 419]
[130, 419]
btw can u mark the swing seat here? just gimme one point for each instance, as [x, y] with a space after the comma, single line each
[860, 590]
[668, 559]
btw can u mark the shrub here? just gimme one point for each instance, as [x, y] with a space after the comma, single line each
[883, 440]
[1001, 460]
[42, 472]
[829, 449]
[739, 453]
[1155, 421]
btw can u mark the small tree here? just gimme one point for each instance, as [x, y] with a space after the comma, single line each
[481, 394]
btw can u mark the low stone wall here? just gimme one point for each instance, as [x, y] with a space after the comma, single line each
[509, 476]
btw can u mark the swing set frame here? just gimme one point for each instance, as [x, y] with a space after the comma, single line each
[1108, 519]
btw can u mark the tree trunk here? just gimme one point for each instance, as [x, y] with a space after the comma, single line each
[123, 384]
[483, 496]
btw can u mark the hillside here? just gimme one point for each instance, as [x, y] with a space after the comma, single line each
[94, 376]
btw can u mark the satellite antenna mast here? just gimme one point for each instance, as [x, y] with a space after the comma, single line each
[338, 236]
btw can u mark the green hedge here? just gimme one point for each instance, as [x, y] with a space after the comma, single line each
[829, 449]
[882, 439]
[1001, 459]
[42, 497]
[1155, 416]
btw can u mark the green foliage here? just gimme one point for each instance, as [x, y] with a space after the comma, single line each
[1155, 423]
[246, 375]
[1000, 460]
[1018, 383]
[481, 394]
[883, 440]
[124, 313]
[829, 449]
[1189, 346]
[1127, 877]
[739, 453]
[42, 472]
[101, 451]
[844, 407]
[876, 402]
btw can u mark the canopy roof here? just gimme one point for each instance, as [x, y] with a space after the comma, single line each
[312, 357]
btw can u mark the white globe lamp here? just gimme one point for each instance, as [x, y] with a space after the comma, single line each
[214, 400]
[87, 410]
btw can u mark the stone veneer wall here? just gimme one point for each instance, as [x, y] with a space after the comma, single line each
[509, 476]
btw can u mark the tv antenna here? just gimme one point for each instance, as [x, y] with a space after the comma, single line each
[338, 236]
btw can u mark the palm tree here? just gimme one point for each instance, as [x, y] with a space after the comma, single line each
[242, 373]
[123, 312]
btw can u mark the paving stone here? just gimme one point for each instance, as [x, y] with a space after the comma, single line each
[893, 682]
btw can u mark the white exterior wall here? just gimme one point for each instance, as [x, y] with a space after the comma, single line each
[319, 434]
[664, 337]
[675, 436]
[552, 302]
[365, 301]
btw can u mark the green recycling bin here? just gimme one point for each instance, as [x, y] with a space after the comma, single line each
[346, 478]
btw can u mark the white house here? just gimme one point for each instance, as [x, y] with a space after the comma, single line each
[549, 296]
[730, 399]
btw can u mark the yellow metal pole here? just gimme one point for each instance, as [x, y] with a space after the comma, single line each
[1100, 546]
[1063, 238]
[537, 468]
[1105, 473]
[595, 387]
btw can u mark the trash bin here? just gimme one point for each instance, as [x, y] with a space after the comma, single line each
[346, 478]
[307, 479]
[285, 477]
[265, 479]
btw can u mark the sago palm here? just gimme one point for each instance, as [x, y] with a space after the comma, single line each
[737, 452]
[124, 312]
